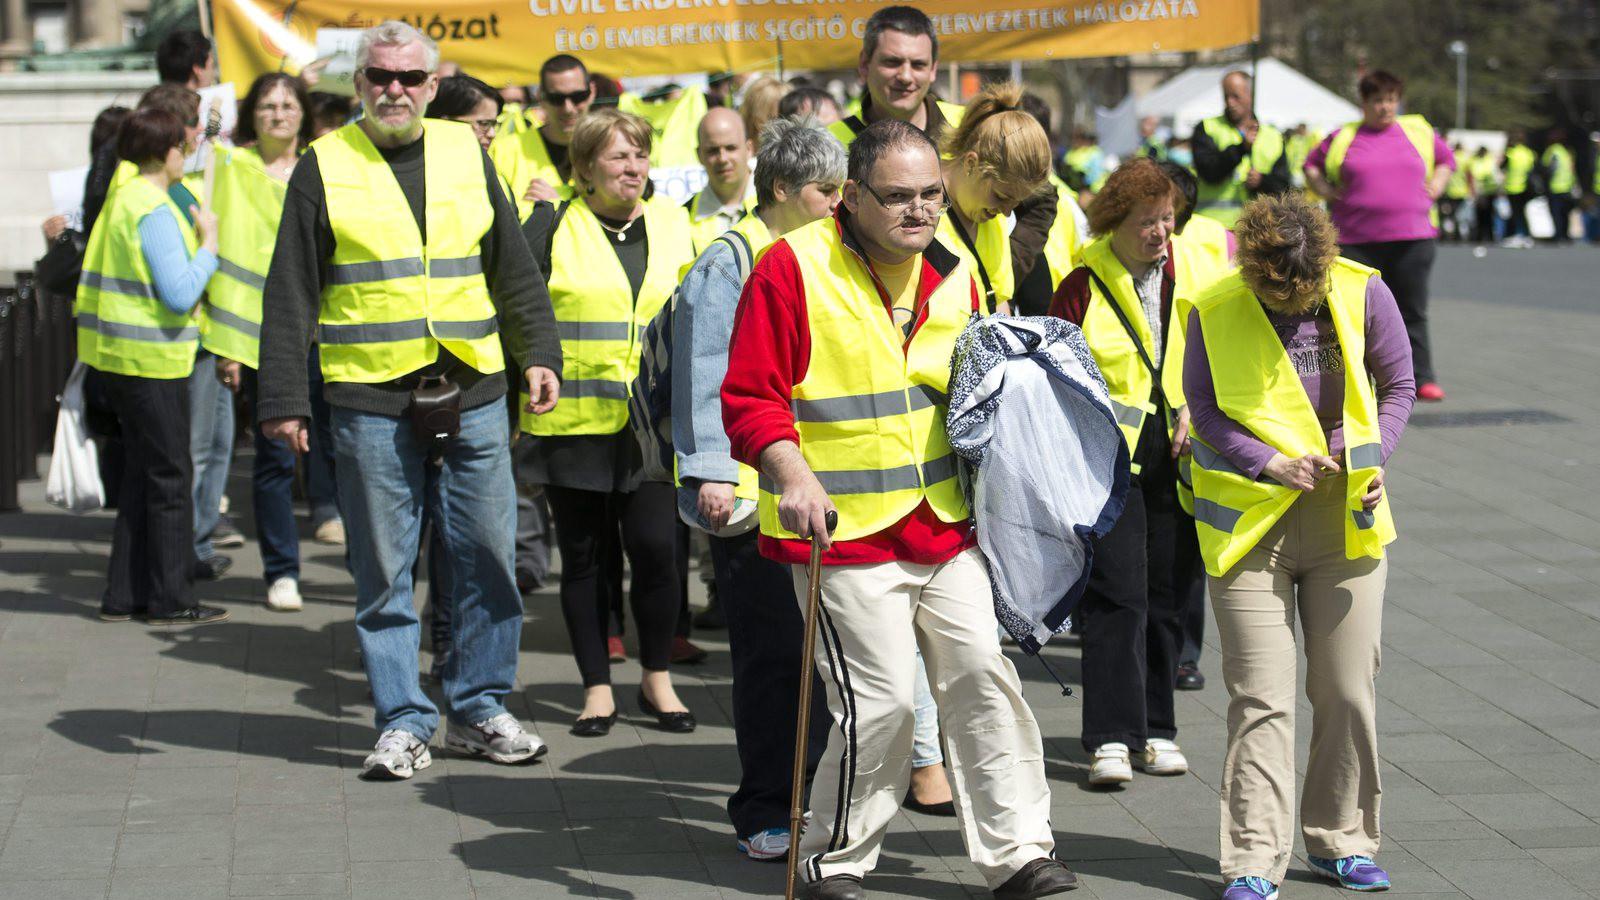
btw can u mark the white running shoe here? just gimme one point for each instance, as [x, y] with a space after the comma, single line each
[765, 846]
[283, 595]
[1161, 757]
[1111, 765]
[501, 738]
[398, 756]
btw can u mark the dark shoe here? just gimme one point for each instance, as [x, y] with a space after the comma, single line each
[615, 651]
[594, 726]
[947, 808]
[686, 654]
[199, 615]
[226, 534]
[213, 568]
[528, 583]
[1189, 678]
[836, 887]
[1044, 877]
[675, 722]
[711, 618]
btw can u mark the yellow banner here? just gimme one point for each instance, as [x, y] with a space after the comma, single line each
[504, 41]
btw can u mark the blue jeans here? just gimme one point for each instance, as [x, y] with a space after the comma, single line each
[272, 485]
[925, 748]
[210, 446]
[386, 485]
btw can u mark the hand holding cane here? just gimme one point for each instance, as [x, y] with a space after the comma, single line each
[803, 714]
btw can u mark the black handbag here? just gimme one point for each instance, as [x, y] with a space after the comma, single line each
[58, 270]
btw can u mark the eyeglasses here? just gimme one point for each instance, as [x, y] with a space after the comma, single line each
[576, 98]
[483, 126]
[934, 200]
[384, 77]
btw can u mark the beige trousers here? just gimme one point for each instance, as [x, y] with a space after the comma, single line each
[872, 619]
[1299, 570]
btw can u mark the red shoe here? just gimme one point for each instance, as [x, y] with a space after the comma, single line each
[686, 654]
[614, 649]
[1430, 391]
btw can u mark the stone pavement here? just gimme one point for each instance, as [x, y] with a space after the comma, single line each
[222, 761]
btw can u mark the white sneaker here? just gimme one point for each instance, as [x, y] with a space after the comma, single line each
[283, 595]
[397, 757]
[501, 738]
[1111, 765]
[330, 532]
[764, 846]
[1162, 757]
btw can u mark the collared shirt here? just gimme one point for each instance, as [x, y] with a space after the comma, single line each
[1148, 288]
[707, 205]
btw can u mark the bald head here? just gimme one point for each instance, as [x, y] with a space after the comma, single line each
[1237, 96]
[725, 152]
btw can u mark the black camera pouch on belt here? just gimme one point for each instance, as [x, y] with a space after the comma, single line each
[435, 414]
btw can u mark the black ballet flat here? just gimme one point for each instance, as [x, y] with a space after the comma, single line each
[594, 726]
[674, 722]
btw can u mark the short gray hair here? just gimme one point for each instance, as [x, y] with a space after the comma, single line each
[797, 151]
[394, 33]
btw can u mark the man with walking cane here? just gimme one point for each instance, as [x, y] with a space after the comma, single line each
[838, 372]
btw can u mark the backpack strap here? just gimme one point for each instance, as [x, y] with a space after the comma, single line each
[550, 236]
[743, 257]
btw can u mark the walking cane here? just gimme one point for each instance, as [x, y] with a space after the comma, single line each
[802, 719]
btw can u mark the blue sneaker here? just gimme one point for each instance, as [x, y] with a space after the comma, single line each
[1354, 873]
[1250, 887]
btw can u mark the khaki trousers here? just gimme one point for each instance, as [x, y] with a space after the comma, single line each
[872, 619]
[1299, 570]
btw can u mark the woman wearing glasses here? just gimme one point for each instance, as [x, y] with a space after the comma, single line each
[613, 260]
[463, 98]
[995, 159]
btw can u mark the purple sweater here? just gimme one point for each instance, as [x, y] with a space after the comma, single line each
[1383, 186]
[1314, 350]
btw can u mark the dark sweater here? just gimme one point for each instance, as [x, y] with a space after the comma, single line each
[293, 297]
[1216, 166]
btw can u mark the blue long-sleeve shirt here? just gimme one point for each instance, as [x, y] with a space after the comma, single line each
[180, 279]
[701, 326]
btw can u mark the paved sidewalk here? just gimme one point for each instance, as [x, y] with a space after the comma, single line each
[222, 761]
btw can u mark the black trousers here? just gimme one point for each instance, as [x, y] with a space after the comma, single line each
[1518, 226]
[1484, 213]
[152, 543]
[1145, 571]
[1406, 267]
[589, 526]
[1561, 214]
[765, 637]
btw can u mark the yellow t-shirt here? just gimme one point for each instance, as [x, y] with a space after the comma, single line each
[901, 282]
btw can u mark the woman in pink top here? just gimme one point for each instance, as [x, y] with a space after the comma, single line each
[1382, 195]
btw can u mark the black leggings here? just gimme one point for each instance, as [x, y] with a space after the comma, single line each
[1406, 267]
[592, 527]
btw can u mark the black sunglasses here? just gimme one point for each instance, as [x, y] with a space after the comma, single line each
[384, 77]
[559, 100]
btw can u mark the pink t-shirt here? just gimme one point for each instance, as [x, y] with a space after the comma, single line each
[1385, 186]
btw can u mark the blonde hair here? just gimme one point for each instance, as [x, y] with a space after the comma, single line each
[594, 130]
[1286, 247]
[760, 106]
[1010, 144]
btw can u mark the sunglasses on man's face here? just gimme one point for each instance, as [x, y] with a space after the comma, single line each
[576, 98]
[384, 77]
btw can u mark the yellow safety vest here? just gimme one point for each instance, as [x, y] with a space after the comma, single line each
[1061, 247]
[703, 231]
[1085, 160]
[1223, 200]
[123, 327]
[393, 296]
[1199, 257]
[676, 124]
[991, 265]
[1519, 165]
[1485, 175]
[520, 157]
[1458, 188]
[871, 410]
[1558, 160]
[1257, 386]
[249, 204]
[852, 124]
[600, 321]
[513, 119]
[1418, 132]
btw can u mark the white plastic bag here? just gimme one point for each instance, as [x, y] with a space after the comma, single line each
[1541, 224]
[74, 483]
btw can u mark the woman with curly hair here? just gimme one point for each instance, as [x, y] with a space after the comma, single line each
[1298, 376]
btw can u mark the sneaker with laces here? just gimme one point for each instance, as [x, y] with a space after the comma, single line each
[1111, 765]
[226, 534]
[501, 738]
[1354, 873]
[283, 595]
[1250, 887]
[398, 756]
[1161, 757]
[766, 846]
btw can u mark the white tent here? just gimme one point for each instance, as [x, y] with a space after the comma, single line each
[1284, 98]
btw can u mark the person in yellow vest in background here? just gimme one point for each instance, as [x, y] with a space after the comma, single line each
[897, 64]
[1457, 193]
[994, 160]
[250, 186]
[401, 256]
[534, 162]
[724, 150]
[614, 260]
[1591, 211]
[1297, 145]
[1381, 177]
[1086, 164]
[1484, 175]
[1517, 165]
[1147, 568]
[514, 113]
[144, 269]
[674, 114]
[1068, 231]
[1560, 180]
[798, 173]
[1298, 378]
[838, 373]
[1237, 157]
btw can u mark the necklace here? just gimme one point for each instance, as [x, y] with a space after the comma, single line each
[621, 233]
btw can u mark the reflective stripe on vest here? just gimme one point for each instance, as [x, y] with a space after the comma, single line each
[123, 327]
[391, 300]
[1223, 200]
[870, 410]
[249, 205]
[599, 319]
[1258, 387]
